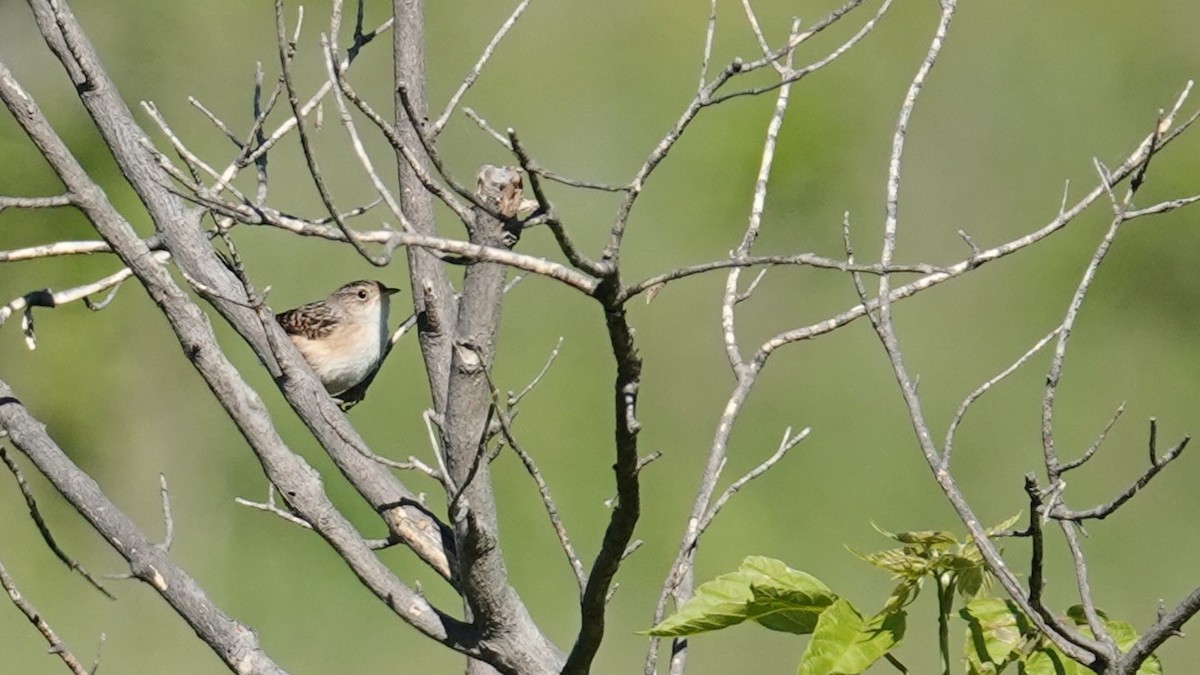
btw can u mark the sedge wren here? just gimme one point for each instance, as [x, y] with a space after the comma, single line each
[343, 337]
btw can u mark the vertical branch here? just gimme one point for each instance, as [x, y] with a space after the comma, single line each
[627, 509]
[494, 606]
[1050, 456]
[886, 330]
[680, 579]
[433, 296]
[287, 52]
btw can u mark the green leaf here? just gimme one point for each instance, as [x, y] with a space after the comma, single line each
[971, 582]
[1124, 634]
[844, 644]
[1151, 666]
[788, 608]
[1050, 661]
[905, 592]
[996, 629]
[770, 570]
[1006, 525]
[719, 603]
[899, 561]
[763, 590]
[926, 538]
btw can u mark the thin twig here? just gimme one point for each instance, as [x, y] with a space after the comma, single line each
[504, 418]
[565, 244]
[754, 223]
[168, 521]
[1053, 376]
[1087, 454]
[1162, 207]
[710, 32]
[984, 388]
[752, 20]
[360, 150]
[44, 529]
[270, 506]
[58, 248]
[794, 75]
[256, 132]
[216, 121]
[535, 166]
[473, 74]
[789, 441]
[286, 54]
[438, 453]
[794, 259]
[514, 399]
[1104, 510]
[556, 522]
[1086, 597]
[57, 646]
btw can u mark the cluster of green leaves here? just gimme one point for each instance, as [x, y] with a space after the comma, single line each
[778, 597]
[843, 642]
[999, 635]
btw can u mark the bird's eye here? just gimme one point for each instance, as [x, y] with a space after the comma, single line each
[362, 294]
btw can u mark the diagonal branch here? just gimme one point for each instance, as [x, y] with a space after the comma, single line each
[473, 74]
[234, 643]
[885, 329]
[57, 646]
[195, 332]
[189, 246]
[44, 529]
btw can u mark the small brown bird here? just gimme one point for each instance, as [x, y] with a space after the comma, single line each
[342, 337]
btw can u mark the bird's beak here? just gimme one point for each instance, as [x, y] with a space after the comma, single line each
[388, 291]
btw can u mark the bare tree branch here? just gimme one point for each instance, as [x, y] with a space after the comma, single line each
[57, 646]
[885, 328]
[437, 126]
[34, 202]
[504, 417]
[194, 332]
[947, 448]
[48, 298]
[286, 53]
[234, 643]
[36, 515]
[680, 578]
[493, 604]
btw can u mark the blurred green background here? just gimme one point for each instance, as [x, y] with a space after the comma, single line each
[1026, 94]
